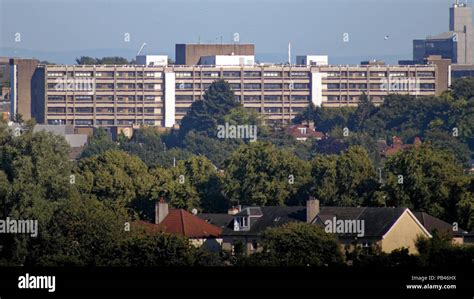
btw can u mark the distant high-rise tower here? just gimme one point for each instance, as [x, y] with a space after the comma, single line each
[460, 23]
[456, 44]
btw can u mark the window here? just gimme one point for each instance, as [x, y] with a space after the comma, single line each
[56, 110]
[183, 74]
[254, 245]
[251, 98]
[272, 86]
[210, 74]
[251, 74]
[303, 131]
[55, 74]
[83, 98]
[232, 74]
[252, 86]
[83, 110]
[272, 98]
[272, 74]
[84, 122]
[83, 74]
[105, 121]
[235, 86]
[299, 74]
[243, 222]
[55, 98]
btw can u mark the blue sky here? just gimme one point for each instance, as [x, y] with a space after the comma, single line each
[58, 30]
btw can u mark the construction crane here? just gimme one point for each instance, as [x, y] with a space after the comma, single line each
[141, 48]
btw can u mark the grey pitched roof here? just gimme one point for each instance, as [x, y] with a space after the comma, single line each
[251, 211]
[377, 220]
[273, 216]
[432, 223]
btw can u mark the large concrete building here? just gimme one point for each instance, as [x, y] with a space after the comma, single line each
[190, 54]
[456, 44]
[88, 95]
[22, 87]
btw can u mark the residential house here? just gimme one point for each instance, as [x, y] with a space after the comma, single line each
[397, 145]
[183, 223]
[304, 131]
[385, 228]
[433, 224]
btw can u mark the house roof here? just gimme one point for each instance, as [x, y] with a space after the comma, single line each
[181, 222]
[251, 211]
[432, 223]
[272, 216]
[377, 220]
[294, 130]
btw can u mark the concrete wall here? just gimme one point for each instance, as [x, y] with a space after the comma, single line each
[190, 54]
[23, 72]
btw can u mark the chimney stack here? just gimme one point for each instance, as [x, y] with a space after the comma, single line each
[161, 210]
[312, 209]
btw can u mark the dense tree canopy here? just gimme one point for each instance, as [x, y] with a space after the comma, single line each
[290, 244]
[260, 174]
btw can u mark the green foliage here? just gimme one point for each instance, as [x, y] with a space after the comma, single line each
[297, 244]
[429, 180]
[98, 143]
[463, 88]
[193, 183]
[148, 144]
[439, 251]
[260, 174]
[216, 150]
[204, 115]
[115, 60]
[115, 177]
[346, 180]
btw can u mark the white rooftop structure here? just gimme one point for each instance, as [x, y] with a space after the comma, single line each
[161, 60]
[228, 60]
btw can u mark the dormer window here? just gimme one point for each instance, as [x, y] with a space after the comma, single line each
[303, 131]
[243, 221]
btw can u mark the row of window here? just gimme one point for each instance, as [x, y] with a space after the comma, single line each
[90, 122]
[108, 98]
[104, 110]
[380, 74]
[83, 74]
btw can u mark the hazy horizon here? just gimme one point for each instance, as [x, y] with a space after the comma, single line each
[60, 31]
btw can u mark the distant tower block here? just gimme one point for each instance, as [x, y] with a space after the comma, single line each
[460, 22]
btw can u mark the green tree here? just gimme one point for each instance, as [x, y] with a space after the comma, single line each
[98, 143]
[115, 177]
[346, 180]
[463, 88]
[364, 110]
[204, 115]
[260, 174]
[429, 180]
[297, 244]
